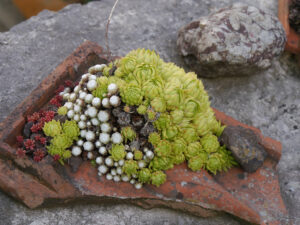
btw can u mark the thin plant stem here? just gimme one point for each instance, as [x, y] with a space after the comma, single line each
[106, 31]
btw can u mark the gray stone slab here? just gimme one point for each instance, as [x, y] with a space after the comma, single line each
[269, 101]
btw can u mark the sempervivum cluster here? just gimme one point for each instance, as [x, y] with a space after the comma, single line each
[136, 118]
[108, 128]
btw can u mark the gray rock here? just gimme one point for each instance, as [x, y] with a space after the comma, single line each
[269, 101]
[237, 40]
[245, 147]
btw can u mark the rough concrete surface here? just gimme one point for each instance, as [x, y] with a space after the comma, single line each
[269, 101]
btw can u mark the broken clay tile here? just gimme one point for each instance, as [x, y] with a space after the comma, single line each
[253, 197]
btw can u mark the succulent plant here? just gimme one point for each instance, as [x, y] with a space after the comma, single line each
[158, 178]
[130, 167]
[62, 110]
[132, 95]
[140, 103]
[128, 133]
[71, 129]
[117, 152]
[144, 175]
[154, 138]
[210, 143]
[52, 128]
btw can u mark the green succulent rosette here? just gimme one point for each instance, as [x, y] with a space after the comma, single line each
[161, 163]
[189, 134]
[71, 129]
[179, 146]
[177, 116]
[128, 133]
[61, 141]
[158, 178]
[142, 109]
[163, 149]
[138, 155]
[130, 167]
[193, 149]
[154, 138]
[198, 162]
[163, 121]
[131, 95]
[63, 110]
[178, 158]
[52, 128]
[214, 163]
[210, 143]
[158, 104]
[170, 132]
[117, 152]
[144, 175]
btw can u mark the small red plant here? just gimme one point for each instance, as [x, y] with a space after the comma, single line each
[38, 155]
[29, 144]
[21, 152]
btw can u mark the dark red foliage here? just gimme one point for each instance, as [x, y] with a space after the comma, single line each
[50, 114]
[69, 83]
[37, 137]
[43, 140]
[21, 152]
[34, 117]
[57, 100]
[56, 157]
[20, 139]
[60, 89]
[38, 155]
[36, 127]
[29, 144]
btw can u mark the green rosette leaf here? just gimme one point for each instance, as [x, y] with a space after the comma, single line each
[170, 132]
[128, 133]
[191, 108]
[178, 159]
[177, 116]
[179, 146]
[163, 149]
[131, 95]
[117, 152]
[210, 143]
[142, 109]
[190, 134]
[130, 167]
[144, 175]
[62, 111]
[152, 89]
[154, 138]
[214, 163]
[161, 163]
[138, 155]
[52, 128]
[61, 141]
[193, 149]
[144, 72]
[158, 104]
[71, 129]
[158, 178]
[163, 121]
[198, 162]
